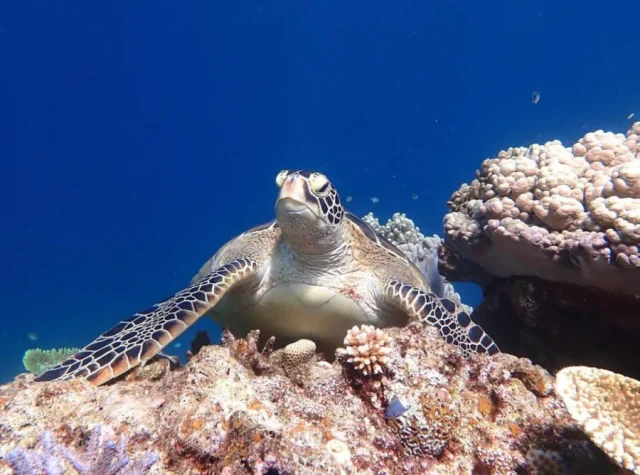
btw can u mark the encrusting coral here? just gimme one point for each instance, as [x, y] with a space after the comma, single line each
[232, 409]
[564, 214]
[607, 407]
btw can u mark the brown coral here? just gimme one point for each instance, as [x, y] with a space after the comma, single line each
[298, 354]
[565, 214]
[607, 407]
[428, 429]
[367, 349]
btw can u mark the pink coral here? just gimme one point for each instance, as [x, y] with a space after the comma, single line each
[367, 349]
[565, 214]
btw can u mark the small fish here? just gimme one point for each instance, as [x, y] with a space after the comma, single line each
[395, 409]
[375, 199]
[630, 116]
[535, 97]
[349, 199]
[414, 196]
[32, 336]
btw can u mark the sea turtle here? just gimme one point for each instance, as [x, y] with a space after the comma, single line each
[314, 272]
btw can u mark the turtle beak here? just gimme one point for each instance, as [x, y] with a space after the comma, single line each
[295, 188]
[295, 198]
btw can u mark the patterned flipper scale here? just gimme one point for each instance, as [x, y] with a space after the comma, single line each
[454, 324]
[137, 339]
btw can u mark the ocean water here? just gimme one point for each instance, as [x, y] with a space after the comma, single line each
[138, 137]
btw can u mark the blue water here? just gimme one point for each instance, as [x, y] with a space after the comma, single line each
[137, 137]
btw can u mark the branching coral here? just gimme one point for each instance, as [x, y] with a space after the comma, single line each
[101, 456]
[422, 251]
[367, 349]
[566, 214]
[607, 407]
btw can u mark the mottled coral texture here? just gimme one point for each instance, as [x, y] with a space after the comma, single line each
[564, 214]
[607, 407]
[298, 354]
[234, 410]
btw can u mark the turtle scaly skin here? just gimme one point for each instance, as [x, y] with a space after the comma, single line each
[313, 273]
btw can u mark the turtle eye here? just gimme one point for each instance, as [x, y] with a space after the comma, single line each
[281, 177]
[319, 184]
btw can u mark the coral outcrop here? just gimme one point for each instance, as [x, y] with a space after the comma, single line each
[564, 214]
[298, 354]
[233, 409]
[552, 234]
[101, 457]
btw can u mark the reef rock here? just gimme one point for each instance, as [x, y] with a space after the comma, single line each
[552, 234]
[234, 410]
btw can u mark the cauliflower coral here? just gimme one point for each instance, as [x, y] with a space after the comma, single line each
[367, 349]
[564, 214]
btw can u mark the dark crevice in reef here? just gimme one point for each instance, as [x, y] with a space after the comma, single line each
[558, 325]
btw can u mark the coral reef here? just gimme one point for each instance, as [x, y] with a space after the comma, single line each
[422, 251]
[298, 354]
[367, 349]
[558, 325]
[607, 407]
[232, 409]
[564, 214]
[551, 233]
[101, 456]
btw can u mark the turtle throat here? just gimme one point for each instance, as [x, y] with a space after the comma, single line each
[306, 233]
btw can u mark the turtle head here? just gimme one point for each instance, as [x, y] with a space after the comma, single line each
[309, 211]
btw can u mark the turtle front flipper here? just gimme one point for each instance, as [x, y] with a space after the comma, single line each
[454, 324]
[138, 338]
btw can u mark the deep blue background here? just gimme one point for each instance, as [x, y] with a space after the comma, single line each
[137, 137]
